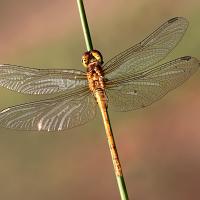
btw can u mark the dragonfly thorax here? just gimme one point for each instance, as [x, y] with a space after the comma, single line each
[91, 57]
[95, 76]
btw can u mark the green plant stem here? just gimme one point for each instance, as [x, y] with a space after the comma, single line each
[85, 26]
[107, 124]
[120, 178]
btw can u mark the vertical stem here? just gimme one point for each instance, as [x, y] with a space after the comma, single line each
[113, 148]
[85, 26]
[103, 108]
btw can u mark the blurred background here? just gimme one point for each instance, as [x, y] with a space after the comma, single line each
[159, 146]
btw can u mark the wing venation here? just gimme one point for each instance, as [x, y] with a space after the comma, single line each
[40, 81]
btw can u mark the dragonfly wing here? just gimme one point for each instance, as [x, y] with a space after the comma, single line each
[145, 87]
[62, 112]
[40, 81]
[148, 52]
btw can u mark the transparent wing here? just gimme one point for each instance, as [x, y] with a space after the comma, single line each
[40, 81]
[148, 52]
[62, 112]
[143, 88]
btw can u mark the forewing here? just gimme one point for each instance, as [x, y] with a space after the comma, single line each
[40, 81]
[62, 112]
[148, 52]
[143, 88]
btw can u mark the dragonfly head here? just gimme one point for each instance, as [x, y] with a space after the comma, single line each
[92, 57]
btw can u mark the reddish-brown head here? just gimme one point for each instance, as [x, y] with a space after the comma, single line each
[92, 57]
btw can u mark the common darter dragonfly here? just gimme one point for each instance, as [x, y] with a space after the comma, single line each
[128, 81]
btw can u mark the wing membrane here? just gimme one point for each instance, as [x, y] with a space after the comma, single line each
[147, 86]
[40, 81]
[62, 112]
[148, 52]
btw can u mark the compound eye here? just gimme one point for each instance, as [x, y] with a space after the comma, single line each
[97, 56]
[85, 59]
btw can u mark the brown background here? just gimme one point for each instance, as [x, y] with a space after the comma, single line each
[159, 146]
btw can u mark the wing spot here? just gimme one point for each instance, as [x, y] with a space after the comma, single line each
[187, 58]
[173, 20]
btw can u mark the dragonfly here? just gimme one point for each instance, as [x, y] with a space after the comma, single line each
[129, 81]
